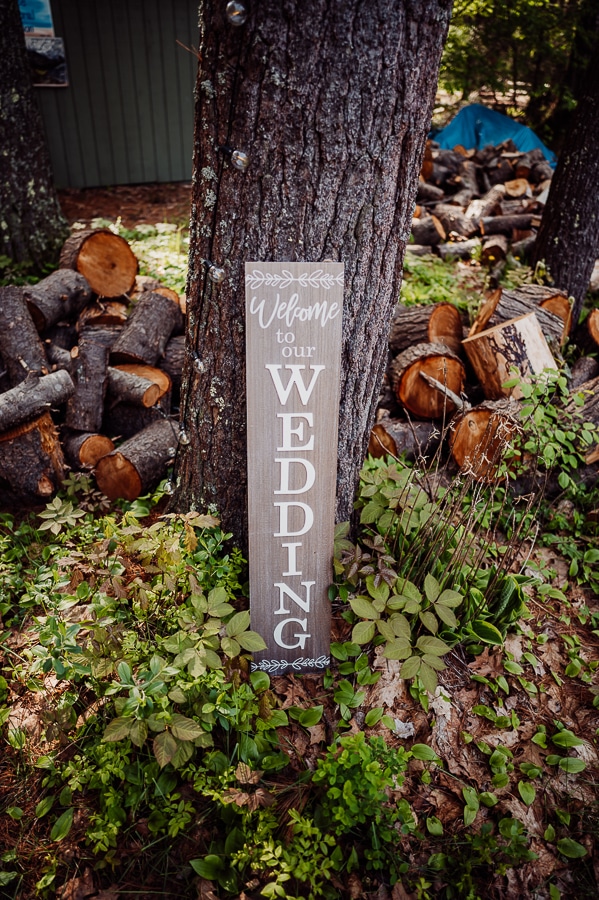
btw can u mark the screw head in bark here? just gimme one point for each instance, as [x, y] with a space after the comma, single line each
[169, 487]
[198, 365]
[215, 273]
[184, 438]
[236, 13]
[172, 452]
[240, 160]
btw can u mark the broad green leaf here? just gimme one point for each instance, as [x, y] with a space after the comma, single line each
[378, 592]
[208, 868]
[488, 799]
[401, 626]
[411, 666]
[185, 751]
[373, 716]
[432, 645]
[386, 630]
[432, 588]
[260, 681]
[124, 672]
[251, 641]
[240, 622]
[572, 765]
[408, 590]
[363, 632]
[471, 797]
[571, 849]
[434, 825]
[138, 732]
[435, 662]
[424, 752]
[527, 792]
[363, 608]
[44, 806]
[165, 747]
[429, 620]
[230, 647]
[310, 717]
[118, 729]
[446, 615]
[549, 833]
[512, 667]
[427, 676]
[398, 649]
[185, 729]
[371, 512]
[62, 826]
[566, 738]
[450, 598]
[469, 815]
[487, 632]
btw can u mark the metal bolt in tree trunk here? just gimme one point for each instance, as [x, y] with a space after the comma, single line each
[332, 102]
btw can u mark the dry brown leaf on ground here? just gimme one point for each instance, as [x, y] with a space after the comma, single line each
[204, 889]
[77, 888]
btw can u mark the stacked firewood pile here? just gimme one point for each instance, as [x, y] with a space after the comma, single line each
[90, 355]
[446, 382]
[486, 201]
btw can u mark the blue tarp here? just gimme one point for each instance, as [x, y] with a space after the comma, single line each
[476, 126]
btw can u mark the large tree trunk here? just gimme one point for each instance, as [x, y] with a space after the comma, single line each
[569, 233]
[332, 102]
[32, 228]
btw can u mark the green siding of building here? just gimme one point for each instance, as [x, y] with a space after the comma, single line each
[127, 115]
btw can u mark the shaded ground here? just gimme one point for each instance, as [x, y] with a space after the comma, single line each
[134, 203]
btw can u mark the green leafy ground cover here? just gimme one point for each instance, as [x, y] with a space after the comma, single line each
[450, 750]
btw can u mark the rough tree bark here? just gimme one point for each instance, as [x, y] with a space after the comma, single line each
[568, 237]
[332, 102]
[32, 227]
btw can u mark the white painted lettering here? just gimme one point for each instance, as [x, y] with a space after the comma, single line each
[284, 514]
[284, 589]
[292, 558]
[301, 638]
[309, 470]
[295, 379]
[288, 431]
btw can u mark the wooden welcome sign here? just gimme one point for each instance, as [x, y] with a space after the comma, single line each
[293, 341]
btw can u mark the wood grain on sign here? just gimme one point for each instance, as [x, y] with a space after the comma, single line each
[293, 335]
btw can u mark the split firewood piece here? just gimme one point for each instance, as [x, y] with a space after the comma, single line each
[458, 249]
[31, 459]
[504, 305]
[439, 362]
[455, 221]
[487, 205]
[396, 437]
[518, 187]
[84, 410]
[584, 369]
[429, 193]
[58, 357]
[103, 258]
[526, 162]
[506, 225]
[550, 299]
[517, 344]
[34, 396]
[62, 295]
[20, 344]
[468, 177]
[499, 170]
[479, 436]
[172, 363]
[83, 450]
[145, 283]
[438, 323]
[587, 334]
[540, 172]
[146, 334]
[428, 230]
[138, 464]
[127, 384]
[494, 250]
[104, 313]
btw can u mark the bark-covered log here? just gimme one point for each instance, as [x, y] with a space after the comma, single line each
[103, 314]
[499, 171]
[172, 363]
[84, 410]
[107, 335]
[128, 386]
[419, 250]
[429, 193]
[103, 258]
[540, 172]
[428, 230]
[59, 358]
[584, 369]
[455, 221]
[517, 188]
[31, 459]
[458, 249]
[413, 392]
[518, 344]
[586, 335]
[506, 224]
[487, 205]
[147, 283]
[20, 345]
[124, 420]
[468, 176]
[503, 305]
[62, 295]
[479, 436]
[148, 329]
[83, 450]
[398, 437]
[137, 465]
[34, 396]
[438, 323]
[494, 250]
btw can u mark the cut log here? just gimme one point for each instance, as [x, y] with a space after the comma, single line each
[455, 221]
[147, 283]
[31, 459]
[541, 172]
[504, 305]
[63, 334]
[130, 387]
[418, 250]
[429, 193]
[103, 258]
[526, 162]
[518, 344]
[148, 329]
[479, 436]
[104, 313]
[62, 295]
[428, 230]
[458, 249]
[34, 396]
[439, 323]
[427, 162]
[522, 249]
[84, 451]
[468, 177]
[586, 335]
[84, 410]
[172, 363]
[487, 205]
[506, 225]
[413, 392]
[106, 335]
[499, 170]
[584, 369]
[20, 345]
[588, 412]
[461, 198]
[137, 465]
[494, 250]
[517, 188]
[58, 358]
[397, 437]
